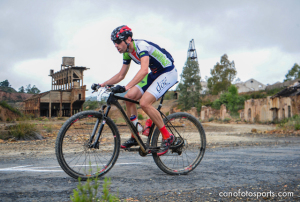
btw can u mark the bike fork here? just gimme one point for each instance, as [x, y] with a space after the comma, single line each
[96, 142]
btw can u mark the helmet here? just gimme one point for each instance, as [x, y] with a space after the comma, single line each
[121, 33]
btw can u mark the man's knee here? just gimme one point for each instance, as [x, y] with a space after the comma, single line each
[143, 104]
[133, 94]
[129, 95]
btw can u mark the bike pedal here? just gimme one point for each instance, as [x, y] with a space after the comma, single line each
[154, 148]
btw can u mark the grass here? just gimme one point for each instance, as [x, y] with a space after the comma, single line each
[5, 105]
[292, 123]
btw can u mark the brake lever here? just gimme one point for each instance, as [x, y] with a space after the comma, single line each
[97, 88]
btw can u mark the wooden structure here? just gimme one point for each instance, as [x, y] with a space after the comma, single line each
[66, 96]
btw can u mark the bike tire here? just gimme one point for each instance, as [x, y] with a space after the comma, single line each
[72, 151]
[184, 159]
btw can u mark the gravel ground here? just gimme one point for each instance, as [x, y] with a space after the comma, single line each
[235, 161]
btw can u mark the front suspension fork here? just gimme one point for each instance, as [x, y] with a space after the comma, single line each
[95, 144]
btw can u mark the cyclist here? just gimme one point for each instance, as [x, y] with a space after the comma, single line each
[148, 87]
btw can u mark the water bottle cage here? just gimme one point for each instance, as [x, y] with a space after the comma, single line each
[137, 127]
[146, 128]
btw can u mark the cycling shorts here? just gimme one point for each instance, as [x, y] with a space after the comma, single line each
[159, 83]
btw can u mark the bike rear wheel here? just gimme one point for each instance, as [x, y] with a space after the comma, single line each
[73, 151]
[187, 150]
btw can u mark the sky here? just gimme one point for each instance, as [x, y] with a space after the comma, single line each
[260, 36]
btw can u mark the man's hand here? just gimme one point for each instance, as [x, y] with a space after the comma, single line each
[118, 89]
[94, 86]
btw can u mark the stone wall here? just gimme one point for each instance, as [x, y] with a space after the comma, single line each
[268, 109]
[208, 113]
[223, 112]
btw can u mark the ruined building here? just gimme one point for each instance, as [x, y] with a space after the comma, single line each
[66, 96]
[282, 105]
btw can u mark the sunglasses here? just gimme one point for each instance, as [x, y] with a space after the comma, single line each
[117, 41]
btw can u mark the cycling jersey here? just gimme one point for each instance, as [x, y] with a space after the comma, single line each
[163, 74]
[160, 60]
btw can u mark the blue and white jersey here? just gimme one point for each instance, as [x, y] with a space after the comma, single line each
[159, 58]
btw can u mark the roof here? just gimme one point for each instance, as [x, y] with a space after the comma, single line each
[37, 96]
[254, 80]
[289, 91]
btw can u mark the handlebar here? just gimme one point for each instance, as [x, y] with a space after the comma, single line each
[107, 88]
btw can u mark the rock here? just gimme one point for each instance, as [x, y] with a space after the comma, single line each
[12, 140]
[253, 130]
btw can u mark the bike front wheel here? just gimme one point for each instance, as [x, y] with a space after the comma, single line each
[73, 146]
[187, 150]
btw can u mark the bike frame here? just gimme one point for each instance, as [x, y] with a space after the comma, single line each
[113, 100]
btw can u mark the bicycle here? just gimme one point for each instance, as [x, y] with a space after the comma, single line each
[88, 143]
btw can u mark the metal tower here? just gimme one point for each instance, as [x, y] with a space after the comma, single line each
[192, 54]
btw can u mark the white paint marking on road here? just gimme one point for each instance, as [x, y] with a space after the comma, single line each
[28, 168]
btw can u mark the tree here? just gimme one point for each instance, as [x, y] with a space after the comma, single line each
[222, 75]
[5, 83]
[190, 86]
[231, 99]
[293, 73]
[28, 88]
[32, 90]
[21, 89]
[35, 90]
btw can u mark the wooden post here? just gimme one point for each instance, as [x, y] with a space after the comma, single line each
[50, 105]
[60, 107]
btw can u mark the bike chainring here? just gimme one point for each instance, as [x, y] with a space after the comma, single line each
[143, 154]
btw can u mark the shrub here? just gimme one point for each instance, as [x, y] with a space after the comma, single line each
[292, 123]
[24, 131]
[210, 119]
[256, 118]
[48, 128]
[88, 192]
[90, 105]
[207, 103]
[140, 117]
[297, 127]
[226, 120]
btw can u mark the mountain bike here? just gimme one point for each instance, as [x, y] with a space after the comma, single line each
[88, 143]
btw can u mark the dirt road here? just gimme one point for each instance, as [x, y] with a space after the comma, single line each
[235, 161]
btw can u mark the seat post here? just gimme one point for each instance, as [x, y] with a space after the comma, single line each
[161, 101]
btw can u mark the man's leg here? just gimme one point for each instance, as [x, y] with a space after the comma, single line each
[146, 103]
[133, 94]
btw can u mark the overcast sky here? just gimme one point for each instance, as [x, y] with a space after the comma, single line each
[260, 36]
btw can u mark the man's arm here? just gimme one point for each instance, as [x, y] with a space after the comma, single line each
[118, 77]
[141, 73]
